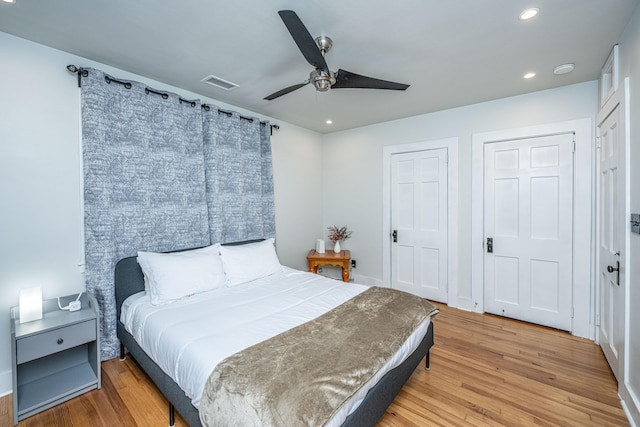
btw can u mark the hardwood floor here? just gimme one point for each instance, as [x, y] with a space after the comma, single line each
[492, 371]
[485, 371]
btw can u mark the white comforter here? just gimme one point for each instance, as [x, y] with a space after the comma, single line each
[189, 337]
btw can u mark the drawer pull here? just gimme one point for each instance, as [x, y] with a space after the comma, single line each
[60, 341]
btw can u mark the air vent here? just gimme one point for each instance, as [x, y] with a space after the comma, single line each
[218, 82]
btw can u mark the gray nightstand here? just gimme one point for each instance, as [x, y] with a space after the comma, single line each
[55, 358]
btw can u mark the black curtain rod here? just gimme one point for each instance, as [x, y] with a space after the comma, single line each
[162, 94]
[147, 90]
[186, 101]
[81, 73]
[109, 79]
[229, 114]
[84, 73]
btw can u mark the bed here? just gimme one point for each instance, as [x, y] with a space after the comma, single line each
[362, 410]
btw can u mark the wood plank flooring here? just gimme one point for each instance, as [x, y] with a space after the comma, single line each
[485, 371]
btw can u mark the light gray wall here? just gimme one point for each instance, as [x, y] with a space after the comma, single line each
[353, 163]
[40, 178]
[630, 67]
[40, 213]
[297, 175]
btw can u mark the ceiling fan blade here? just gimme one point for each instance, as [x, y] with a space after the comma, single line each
[286, 90]
[347, 79]
[303, 39]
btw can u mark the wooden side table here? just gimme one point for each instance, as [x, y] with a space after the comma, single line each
[330, 258]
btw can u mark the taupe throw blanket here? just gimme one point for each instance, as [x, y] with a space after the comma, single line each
[302, 376]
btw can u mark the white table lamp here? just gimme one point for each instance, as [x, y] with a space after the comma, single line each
[30, 304]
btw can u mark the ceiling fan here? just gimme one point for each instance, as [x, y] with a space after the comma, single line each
[322, 78]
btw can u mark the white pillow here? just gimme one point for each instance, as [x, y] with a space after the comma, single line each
[244, 263]
[177, 275]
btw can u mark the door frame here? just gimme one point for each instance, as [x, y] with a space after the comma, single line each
[583, 324]
[451, 144]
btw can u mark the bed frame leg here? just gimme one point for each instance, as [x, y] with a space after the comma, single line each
[172, 421]
[122, 356]
[426, 362]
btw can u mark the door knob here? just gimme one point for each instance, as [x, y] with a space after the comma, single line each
[395, 236]
[611, 269]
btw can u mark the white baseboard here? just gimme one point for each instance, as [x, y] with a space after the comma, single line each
[369, 281]
[336, 273]
[465, 304]
[5, 383]
[629, 402]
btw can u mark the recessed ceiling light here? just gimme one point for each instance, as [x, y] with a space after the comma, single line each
[564, 69]
[529, 75]
[329, 122]
[529, 13]
[9, 1]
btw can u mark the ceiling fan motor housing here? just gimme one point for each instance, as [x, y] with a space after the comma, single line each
[321, 80]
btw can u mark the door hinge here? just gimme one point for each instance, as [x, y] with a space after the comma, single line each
[597, 142]
[597, 319]
[574, 147]
[572, 312]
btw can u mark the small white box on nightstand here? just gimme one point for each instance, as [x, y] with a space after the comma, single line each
[75, 306]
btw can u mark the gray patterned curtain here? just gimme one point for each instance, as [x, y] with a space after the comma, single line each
[144, 182]
[239, 177]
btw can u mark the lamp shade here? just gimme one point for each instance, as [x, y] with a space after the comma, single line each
[30, 304]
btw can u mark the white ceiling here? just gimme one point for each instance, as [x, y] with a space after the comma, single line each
[451, 52]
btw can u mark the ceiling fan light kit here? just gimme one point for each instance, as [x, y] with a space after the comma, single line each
[322, 78]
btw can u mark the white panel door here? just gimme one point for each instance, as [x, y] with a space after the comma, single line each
[528, 229]
[419, 223]
[610, 239]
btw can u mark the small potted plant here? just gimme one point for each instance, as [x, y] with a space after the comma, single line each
[338, 234]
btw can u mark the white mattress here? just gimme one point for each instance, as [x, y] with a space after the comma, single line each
[189, 337]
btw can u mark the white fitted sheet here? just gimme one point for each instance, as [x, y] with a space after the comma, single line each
[189, 337]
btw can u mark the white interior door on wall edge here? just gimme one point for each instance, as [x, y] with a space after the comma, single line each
[610, 239]
[419, 222]
[528, 225]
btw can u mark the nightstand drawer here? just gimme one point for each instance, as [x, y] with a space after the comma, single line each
[46, 343]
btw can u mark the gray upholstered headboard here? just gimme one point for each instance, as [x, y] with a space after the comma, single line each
[129, 279]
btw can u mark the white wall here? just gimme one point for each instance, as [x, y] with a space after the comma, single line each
[297, 175]
[353, 163]
[40, 212]
[630, 67]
